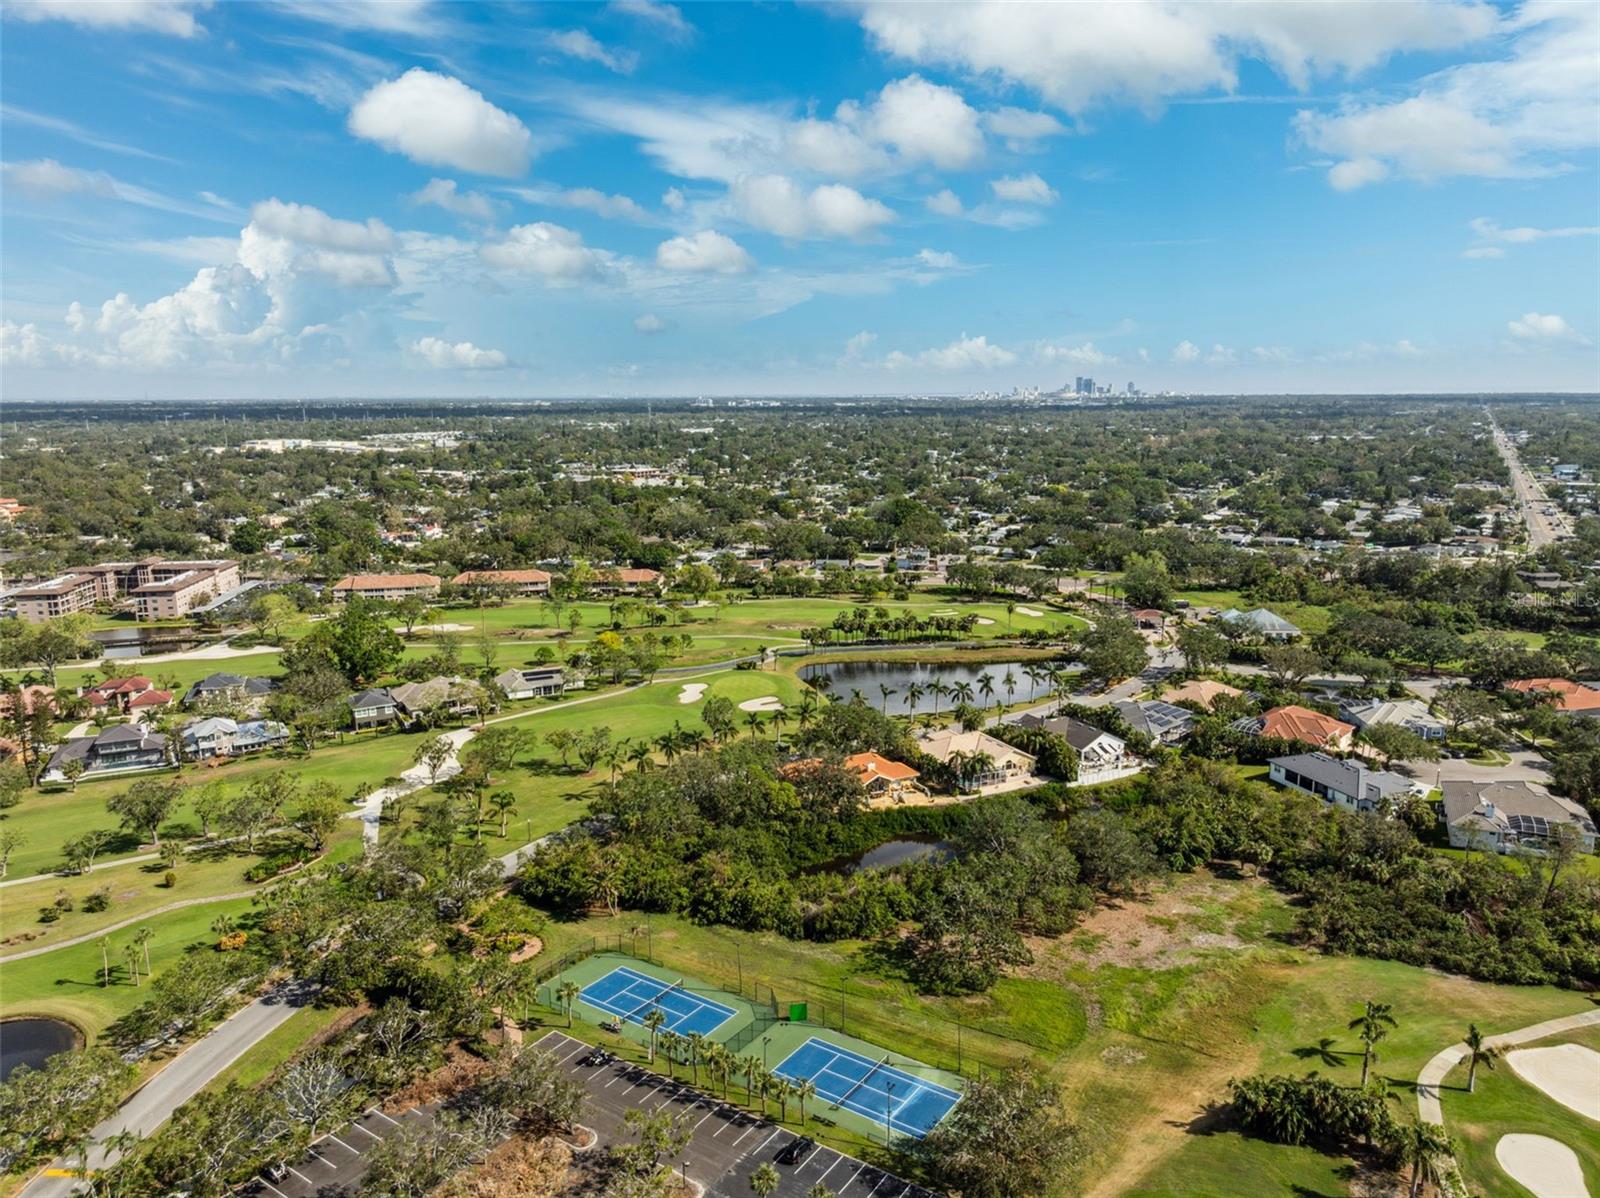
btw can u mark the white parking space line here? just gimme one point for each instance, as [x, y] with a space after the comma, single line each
[381, 1115]
[272, 1187]
[365, 1132]
[341, 1143]
[703, 1118]
[300, 1175]
[768, 1140]
[837, 1157]
[860, 1169]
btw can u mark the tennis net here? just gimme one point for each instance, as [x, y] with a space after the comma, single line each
[654, 999]
[865, 1078]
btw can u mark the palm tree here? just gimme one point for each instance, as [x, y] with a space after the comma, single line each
[962, 692]
[806, 708]
[1427, 1150]
[986, 686]
[671, 1045]
[568, 993]
[886, 691]
[765, 1180]
[640, 756]
[1373, 1024]
[751, 1068]
[504, 802]
[105, 960]
[753, 722]
[697, 1047]
[782, 1091]
[780, 717]
[142, 938]
[653, 1022]
[719, 1064]
[804, 1091]
[939, 691]
[1010, 683]
[1479, 1052]
[131, 955]
[914, 694]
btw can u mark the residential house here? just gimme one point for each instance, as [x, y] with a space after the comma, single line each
[1497, 817]
[222, 737]
[120, 748]
[372, 709]
[1268, 625]
[153, 699]
[1008, 767]
[454, 695]
[1410, 714]
[519, 582]
[386, 588]
[1351, 785]
[1574, 698]
[1163, 723]
[234, 688]
[117, 693]
[885, 781]
[1201, 692]
[1301, 724]
[625, 581]
[1100, 754]
[532, 682]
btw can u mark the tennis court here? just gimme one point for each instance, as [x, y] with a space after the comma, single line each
[631, 995]
[873, 1089]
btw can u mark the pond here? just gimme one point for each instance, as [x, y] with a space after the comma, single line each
[32, 1041]
[891, 852]
[140, 642]
[843, 678]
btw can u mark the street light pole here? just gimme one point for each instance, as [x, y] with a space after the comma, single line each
[888, 1113]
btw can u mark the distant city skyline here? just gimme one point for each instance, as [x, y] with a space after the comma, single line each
[351, 198]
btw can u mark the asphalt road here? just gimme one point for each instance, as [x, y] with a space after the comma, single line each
[1531, 498]
[184, 1077]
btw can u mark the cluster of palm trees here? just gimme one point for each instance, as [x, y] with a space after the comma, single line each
[879, 624]
[967, 694]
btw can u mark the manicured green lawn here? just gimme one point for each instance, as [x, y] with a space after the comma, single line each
[173, 675]
[1309, 618]
[66, 984]
[1502, 1104]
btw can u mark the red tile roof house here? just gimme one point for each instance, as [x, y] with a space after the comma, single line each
[1301, 724]
[151, 700]
[627, 581]
[521, 582]
[118, 692]
[884, 781]
[1569, 696]
[385, 587]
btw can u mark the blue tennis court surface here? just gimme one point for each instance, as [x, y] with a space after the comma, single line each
[872, 1089]
[631, 995]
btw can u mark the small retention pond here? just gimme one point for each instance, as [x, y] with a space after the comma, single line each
[32, 1041]
[142, 642]
[868, 677]
[891, 852]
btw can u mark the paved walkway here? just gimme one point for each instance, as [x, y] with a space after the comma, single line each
[1431, 1079]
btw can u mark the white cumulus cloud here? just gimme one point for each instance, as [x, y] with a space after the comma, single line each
[963, 354]
[463, 355]
[649, 323]
[1542, 326]
[439, 121]
[777, 204]
[927, 122]
[705, 252]
[550, 251]
[1186, 351]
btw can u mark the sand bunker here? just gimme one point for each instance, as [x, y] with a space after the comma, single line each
[764, 703]
[1546, 1167]
[943, 611]
[1569, 1073]
[443, 628]
[1029, 611]
[691, 692]
[985, 620]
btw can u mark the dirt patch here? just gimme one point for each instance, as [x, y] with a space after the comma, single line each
[460, 1072]
[531, 948]
[1168, 928]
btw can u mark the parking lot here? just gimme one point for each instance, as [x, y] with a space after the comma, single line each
[729, 1144]
[337, 1161]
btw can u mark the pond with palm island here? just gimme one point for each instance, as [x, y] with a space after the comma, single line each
[917, 688]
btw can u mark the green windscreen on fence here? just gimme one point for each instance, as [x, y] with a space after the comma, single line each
[797, 1012]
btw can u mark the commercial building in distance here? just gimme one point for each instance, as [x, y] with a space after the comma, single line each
[159, 588]
[385, 587]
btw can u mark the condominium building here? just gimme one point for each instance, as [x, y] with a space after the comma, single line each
[160, 589]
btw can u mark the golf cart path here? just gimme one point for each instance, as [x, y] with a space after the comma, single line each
[1434, 1072]
[123, 923]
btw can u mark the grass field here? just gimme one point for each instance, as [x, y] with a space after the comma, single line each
[1309, 618]
[1502, 1104]
[1143, 1015]
[66, 984]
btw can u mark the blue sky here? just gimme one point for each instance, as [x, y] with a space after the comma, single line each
[335, 197]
